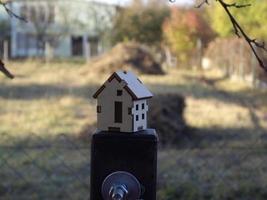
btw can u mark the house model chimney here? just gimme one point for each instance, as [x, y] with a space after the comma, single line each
[122, 103]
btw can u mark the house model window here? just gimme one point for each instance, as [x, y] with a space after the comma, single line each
[98, 109]
[119, 92]
[122, 103]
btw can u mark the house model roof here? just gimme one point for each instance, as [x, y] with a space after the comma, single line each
[133, 85]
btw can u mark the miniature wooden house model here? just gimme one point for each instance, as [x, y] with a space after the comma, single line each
[122, 103]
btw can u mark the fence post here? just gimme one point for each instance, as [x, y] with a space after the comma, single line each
[6, 50]
[86, 47]
[48, 52]
[199, 53]
[242, 61]
[121, 153]
[253, 70]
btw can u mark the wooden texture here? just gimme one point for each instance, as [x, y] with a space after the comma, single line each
[126, 88]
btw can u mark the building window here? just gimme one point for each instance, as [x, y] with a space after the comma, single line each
[129, 111]
[119, 92]
[77, 45]
[136, 118]
[136, 107]
[143, 106]
[98, 109]
[143, 116]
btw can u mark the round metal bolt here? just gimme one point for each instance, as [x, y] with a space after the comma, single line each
[121, 186]
[118, 192]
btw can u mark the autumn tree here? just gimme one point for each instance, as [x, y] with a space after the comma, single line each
[140, 23]
[239, 30]
[253, 25]
[183, 30]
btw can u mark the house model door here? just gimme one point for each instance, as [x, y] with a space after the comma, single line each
[118, 112]
[117, 116]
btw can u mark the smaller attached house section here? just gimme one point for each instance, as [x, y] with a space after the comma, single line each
[122, 103]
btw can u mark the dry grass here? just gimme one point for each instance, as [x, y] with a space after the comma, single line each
[227, 148]
[46, 99]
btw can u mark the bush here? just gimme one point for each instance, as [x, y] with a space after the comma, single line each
[140, 24]
[183, 31]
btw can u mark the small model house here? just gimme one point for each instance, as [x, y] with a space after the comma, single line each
[122, 103]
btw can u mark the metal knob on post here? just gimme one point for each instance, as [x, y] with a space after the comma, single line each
[118, 192]
[121, 186]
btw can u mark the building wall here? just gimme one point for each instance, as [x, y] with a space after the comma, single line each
[139, 111]
[64, 47]
[106, 100]
[24, 39]
[85, 19]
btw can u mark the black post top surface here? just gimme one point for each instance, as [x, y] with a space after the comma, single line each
[144, 134]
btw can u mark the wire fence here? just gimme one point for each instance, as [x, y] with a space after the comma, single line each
[41, 168]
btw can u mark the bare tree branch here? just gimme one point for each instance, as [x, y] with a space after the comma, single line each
[202, 3]
[10, 12]
[5, 71]
[239, 31]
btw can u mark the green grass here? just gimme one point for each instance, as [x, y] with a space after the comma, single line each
[43, 154]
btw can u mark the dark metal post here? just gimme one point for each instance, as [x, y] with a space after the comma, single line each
[124, 165]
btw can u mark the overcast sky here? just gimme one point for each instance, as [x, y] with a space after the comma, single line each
[122, 2]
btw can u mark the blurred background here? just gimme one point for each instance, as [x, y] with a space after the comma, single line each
[209, 108]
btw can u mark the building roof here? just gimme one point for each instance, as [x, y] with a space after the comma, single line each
[133, 85]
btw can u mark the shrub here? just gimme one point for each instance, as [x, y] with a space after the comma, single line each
[183, 30]
[140, 24]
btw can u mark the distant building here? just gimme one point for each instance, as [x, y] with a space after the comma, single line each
[60, 28]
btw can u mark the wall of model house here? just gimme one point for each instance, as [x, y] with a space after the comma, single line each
[106, 100]
[139, 112]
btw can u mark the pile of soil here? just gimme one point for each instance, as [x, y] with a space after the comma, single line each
[165, 115]
[127, 56]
